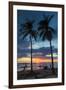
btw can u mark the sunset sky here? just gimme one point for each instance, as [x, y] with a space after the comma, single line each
[41, 49]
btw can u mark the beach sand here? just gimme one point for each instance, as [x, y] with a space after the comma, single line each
[37, 74]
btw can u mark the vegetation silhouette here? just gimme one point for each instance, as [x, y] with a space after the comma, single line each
[46, 32]
[29, 32]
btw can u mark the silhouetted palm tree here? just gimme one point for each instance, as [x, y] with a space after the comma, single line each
[46, 32]
[29, 32]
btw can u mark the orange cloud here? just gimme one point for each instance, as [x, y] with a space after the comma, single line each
[35, 60]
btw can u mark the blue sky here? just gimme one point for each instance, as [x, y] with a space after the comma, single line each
[23, 46]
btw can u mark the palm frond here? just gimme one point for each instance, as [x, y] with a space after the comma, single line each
[41, 33]
[27, 25]
[48, 35]
[40, 28]
[50, 18]
[42, 22]
[28, 29]
[34, 34]
[51, 29]
[45, 16]
[25, 35]
[43, 37]
[22, 32]
[42, 25]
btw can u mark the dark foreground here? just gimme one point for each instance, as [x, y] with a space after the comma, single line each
[36, 74]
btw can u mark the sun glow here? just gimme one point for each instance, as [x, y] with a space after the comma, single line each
[35, 60]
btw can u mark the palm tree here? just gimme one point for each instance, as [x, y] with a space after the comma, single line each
[46, 32]
[29, 32]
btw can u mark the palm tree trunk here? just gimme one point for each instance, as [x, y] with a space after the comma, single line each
[52, 56]
[31, 54]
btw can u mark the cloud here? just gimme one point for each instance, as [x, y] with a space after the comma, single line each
[41, 52]
[41, 44]
[37, 54]
[54, 55]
